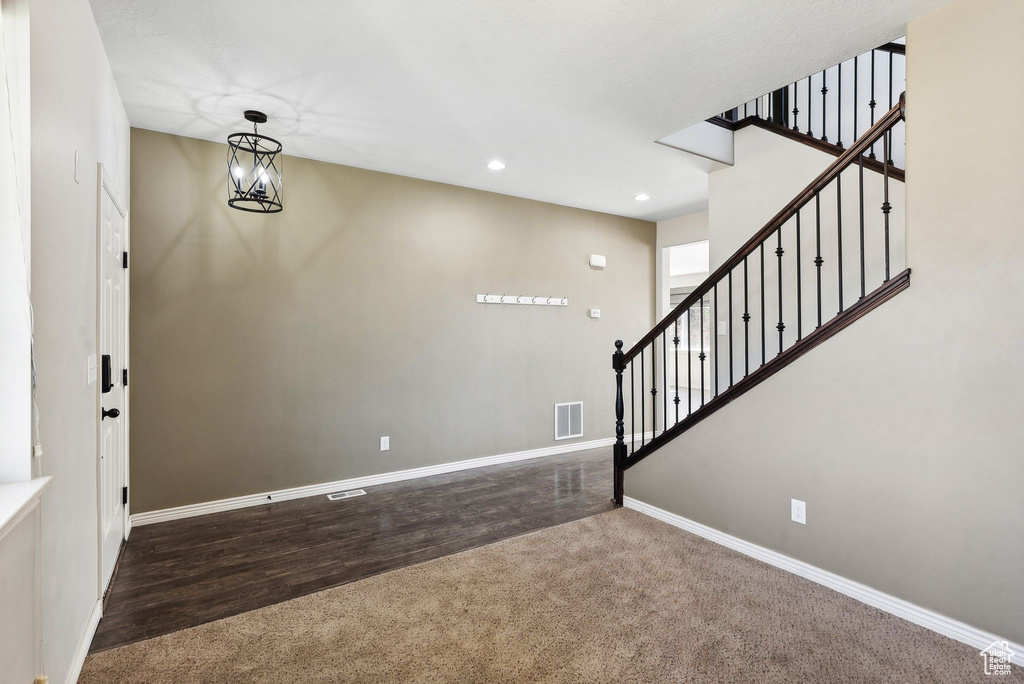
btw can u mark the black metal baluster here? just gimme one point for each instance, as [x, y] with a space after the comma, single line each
[871, 102]
[757, 107]
[856, 61]
[619, 451]
[887, 158]
[886, 207]
[664, 382]
[675, 341]
[763, 350]
[714, 336]
[890, 80]
[779, 252]
[839, 108]
[818, 261]
[654, 391]
[744, 110]
[730, 329]
[796, 110]
[702, 355]
[643, 402]
[824, 108]
[633, 413]
[810, 108]
[860, 171]
[746, 321]
[799, 278]
[689, 365]
[839, 233]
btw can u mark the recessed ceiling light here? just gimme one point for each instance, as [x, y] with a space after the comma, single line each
[642, 197]
[496, 165]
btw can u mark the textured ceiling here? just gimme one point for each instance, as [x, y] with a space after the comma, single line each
[570, 94]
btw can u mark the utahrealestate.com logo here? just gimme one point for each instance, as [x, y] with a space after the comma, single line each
[997, 658]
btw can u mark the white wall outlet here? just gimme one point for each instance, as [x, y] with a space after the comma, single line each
[595, 313]
[723, 328]
[798, 510]
[385, 443]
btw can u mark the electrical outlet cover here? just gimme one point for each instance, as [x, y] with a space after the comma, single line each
[798, 510]
[385, 443]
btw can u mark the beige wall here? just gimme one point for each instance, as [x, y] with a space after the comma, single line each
[273, 352]
[677, 231]
[75, 107]
[903, 433]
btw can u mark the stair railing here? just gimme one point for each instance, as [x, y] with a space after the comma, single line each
[811, 273]
[828, 109]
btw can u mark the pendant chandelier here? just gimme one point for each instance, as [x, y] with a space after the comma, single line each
[254, 169]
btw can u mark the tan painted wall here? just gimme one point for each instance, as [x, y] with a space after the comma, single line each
[903, 433]
[273, 352]
[676, 231]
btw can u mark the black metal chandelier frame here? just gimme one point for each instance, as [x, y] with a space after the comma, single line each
[258, 188]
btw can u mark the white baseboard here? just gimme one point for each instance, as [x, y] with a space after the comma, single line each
[954, 629]
[86, 641]
[150, 517]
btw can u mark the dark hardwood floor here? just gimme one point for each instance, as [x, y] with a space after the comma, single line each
[183, 573]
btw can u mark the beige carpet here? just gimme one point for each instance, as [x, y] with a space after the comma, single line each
[618, 597]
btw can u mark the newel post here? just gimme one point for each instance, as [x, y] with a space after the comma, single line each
[619, 450]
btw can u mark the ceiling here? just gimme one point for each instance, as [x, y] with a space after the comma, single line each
[570, 94]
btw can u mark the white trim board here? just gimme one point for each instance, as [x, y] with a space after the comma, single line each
[86, 641]
[191, 510]
[946, 626]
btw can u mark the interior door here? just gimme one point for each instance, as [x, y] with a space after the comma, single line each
[112, 390]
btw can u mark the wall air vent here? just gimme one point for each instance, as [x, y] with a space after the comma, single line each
[346, 495]
[569, 420]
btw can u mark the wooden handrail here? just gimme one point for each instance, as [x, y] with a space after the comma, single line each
[871, 136]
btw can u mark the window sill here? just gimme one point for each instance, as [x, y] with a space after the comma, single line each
[17, 499]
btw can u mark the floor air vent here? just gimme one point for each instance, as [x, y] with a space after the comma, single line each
[569, 420]
[346, 495]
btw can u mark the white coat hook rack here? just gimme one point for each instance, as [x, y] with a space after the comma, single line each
[521, 299]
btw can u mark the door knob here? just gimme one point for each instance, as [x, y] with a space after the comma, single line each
[112, 413]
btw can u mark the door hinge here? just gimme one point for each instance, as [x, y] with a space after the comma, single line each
[124, 259]
[124, 495]
[124, 377]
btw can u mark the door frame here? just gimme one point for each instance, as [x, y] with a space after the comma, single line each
[105, 184]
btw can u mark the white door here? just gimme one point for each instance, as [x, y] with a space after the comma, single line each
[113, 362]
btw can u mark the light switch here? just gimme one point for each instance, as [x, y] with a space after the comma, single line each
[90, 370]
[723, 328]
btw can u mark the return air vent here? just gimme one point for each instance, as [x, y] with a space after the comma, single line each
[569, 420]
[346, 495]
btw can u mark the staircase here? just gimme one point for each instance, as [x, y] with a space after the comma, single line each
[829, 262]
